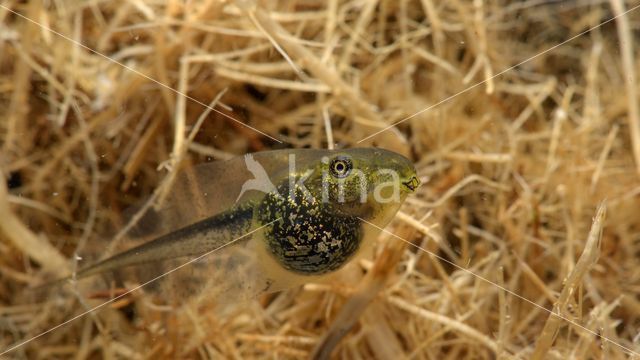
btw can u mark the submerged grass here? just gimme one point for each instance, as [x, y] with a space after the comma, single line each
[518, 168]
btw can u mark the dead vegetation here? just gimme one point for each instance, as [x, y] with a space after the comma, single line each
[517, 135]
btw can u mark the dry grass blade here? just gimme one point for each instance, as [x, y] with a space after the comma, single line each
[628, 57]
[355, 305]
[37, 248]
[586, 261]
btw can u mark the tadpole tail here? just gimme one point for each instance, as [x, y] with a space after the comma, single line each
[192, 240]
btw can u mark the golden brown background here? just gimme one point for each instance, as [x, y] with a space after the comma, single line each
[521, 123]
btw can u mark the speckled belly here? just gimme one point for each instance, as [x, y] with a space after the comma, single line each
[310, 237]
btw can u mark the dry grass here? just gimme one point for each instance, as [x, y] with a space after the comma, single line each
[514, 168]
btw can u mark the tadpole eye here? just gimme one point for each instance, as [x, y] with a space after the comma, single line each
[340, 167]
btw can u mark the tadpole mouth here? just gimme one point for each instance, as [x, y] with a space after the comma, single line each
[412, 184]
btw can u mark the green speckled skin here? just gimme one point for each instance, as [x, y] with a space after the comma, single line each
[308, 236]
[319, 231]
